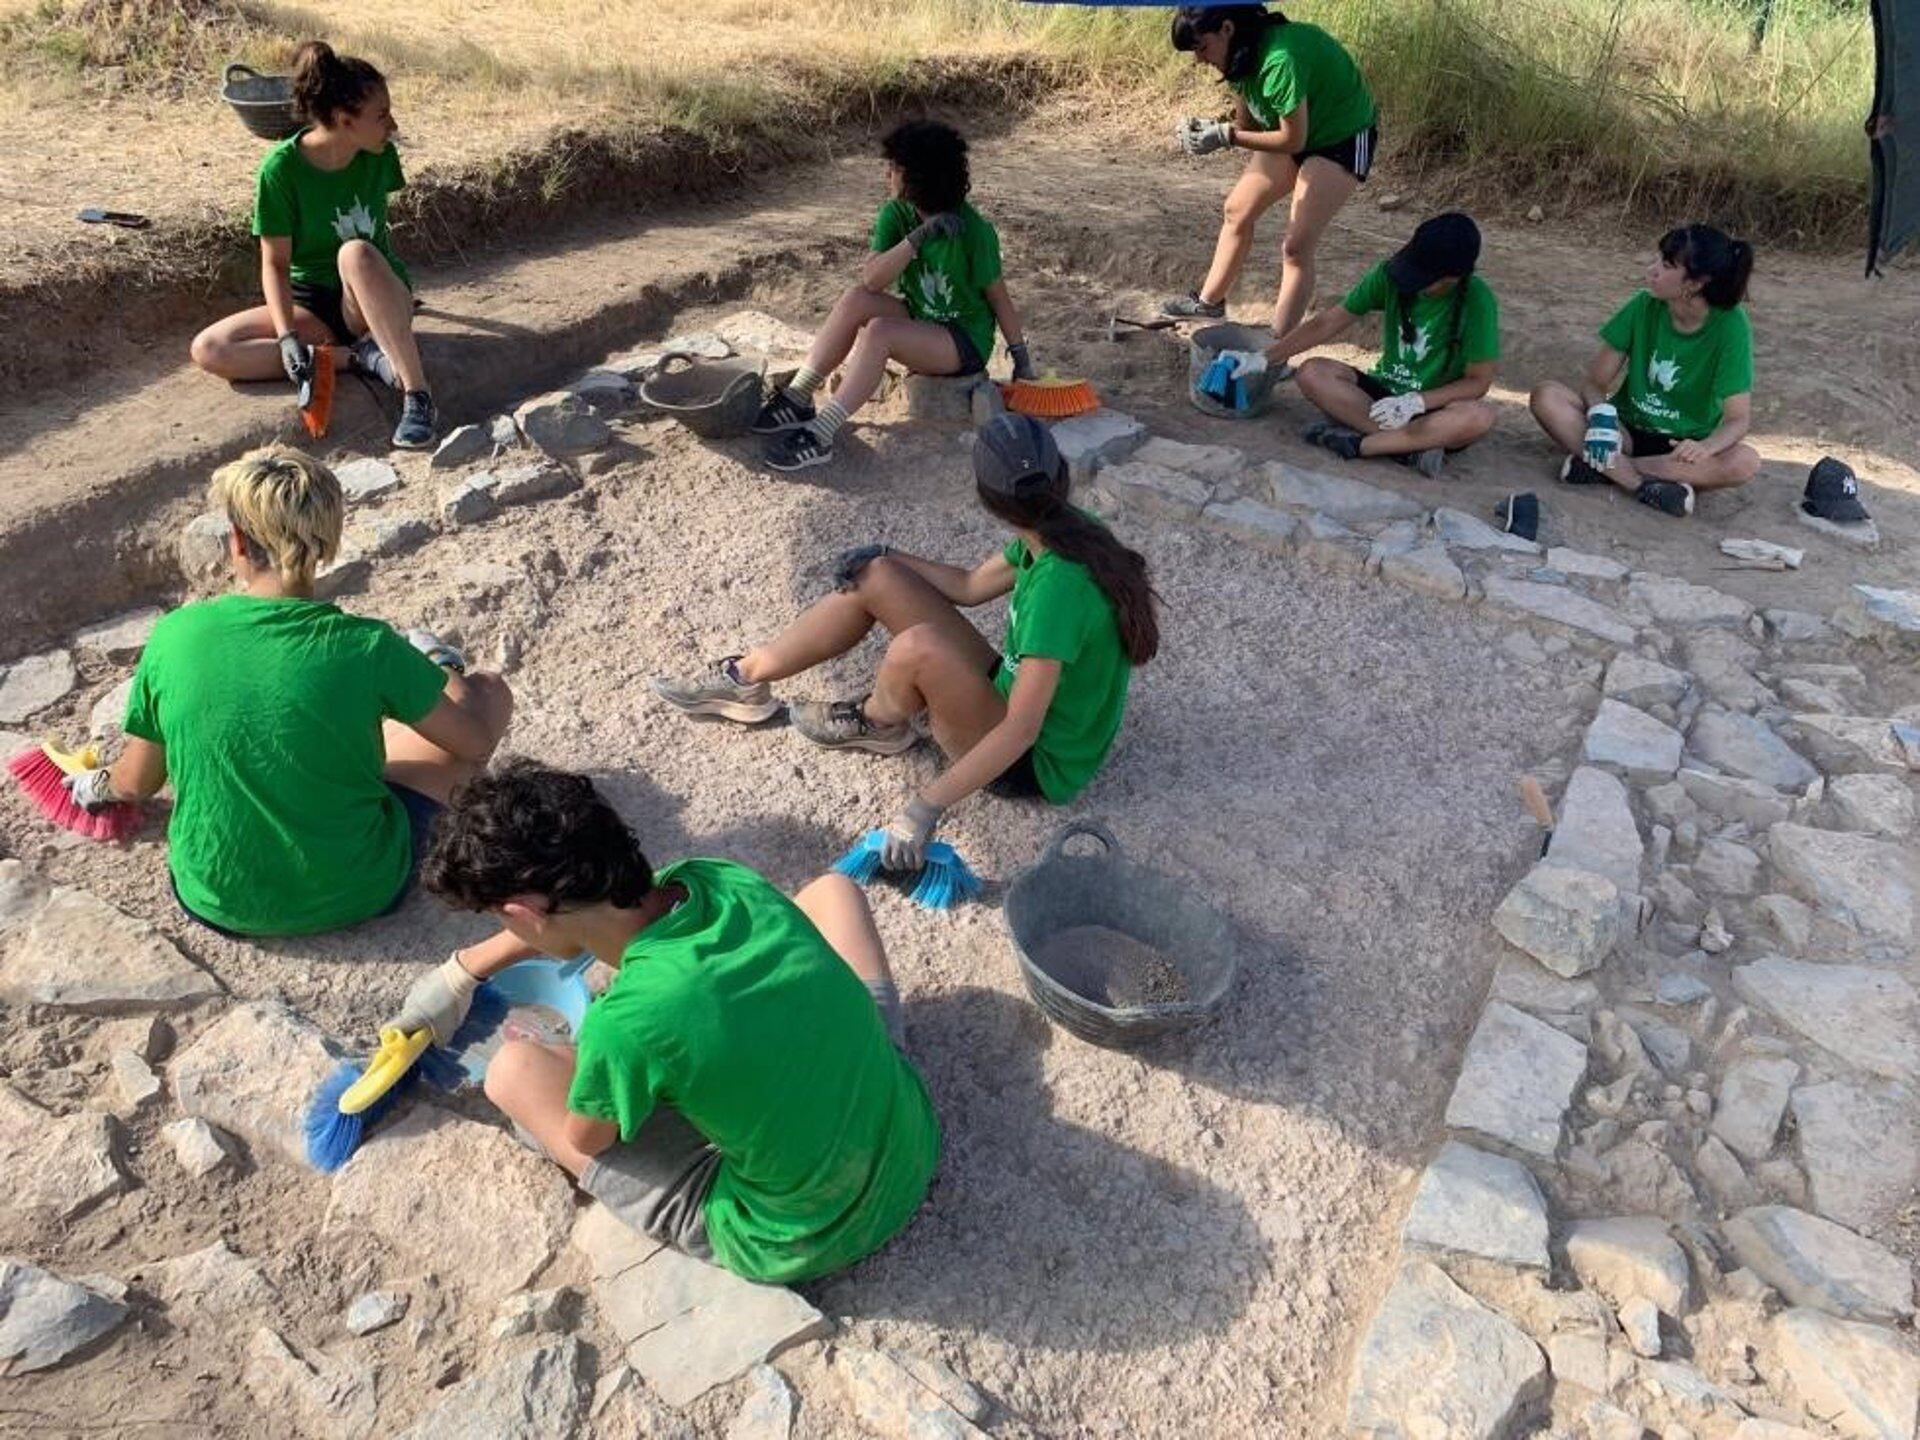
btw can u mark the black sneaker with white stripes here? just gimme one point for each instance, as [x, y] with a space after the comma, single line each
[1578, 470]
[1668, 495]
[798, 450]
[785, 411]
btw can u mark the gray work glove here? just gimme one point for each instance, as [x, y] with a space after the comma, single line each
[438, 1001]
[1022, 362]
[907, 836]
[944, 226]
[91, 789]
[847, 569]
[1203, 137]
[296, 359]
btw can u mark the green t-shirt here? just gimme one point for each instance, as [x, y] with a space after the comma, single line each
[1677, 384]
[269, 711]
[1430, 359]
[946, 282]
[320, 210]
[1300, 62]
[1058, 613]
[736, 1012]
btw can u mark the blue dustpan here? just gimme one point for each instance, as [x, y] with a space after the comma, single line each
[557, 985]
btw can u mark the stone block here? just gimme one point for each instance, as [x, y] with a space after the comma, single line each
[1865, 1016]
[1567, 919]
[1814, 1262]
[1516, 1081]
[1252, 522]
[1632, 742]
[1561, 608]
[253, 1073]
[1088, 442]
[1473, 1203]
[76, 952]
[1349, 501]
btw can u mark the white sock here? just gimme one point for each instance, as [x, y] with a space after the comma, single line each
[827, 421]
[804, 383]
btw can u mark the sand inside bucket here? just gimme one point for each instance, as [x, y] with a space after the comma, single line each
[1112, 968]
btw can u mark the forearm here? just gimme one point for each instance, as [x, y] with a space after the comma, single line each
[982, 765]
[1317, 329]
[140, 771]
[1284, 141]
[494, 954]
[1006, 315]
[278, 288]
[1728, 434]
[949, 580]
[882, 269]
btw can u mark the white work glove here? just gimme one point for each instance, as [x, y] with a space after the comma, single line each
[1603, 434]
[1394, 411]
[1247, 363]
[438, 1001]
[907, 836]
[1203, 137]
[91, 789]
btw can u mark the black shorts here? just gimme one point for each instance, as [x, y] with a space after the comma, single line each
[329, 304]
[1649, 443]
[1353, 154]
[1018, 781]
[972, 362]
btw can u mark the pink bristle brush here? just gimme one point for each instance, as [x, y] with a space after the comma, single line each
[41, 771]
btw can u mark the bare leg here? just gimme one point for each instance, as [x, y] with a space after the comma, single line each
[1451, 427]
[839, 911]
[1562, 414]
[379, 300]
[1267, 178]
[929, 669]
[1334, 390]
[924, 348]
[246, 347]
[419, 764]
[1731, 467]
[1323, 187]
[529, 1082]
[889, 593]
[844, 322]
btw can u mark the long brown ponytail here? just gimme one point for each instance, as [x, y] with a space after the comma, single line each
[1119, 571]
[324, 84]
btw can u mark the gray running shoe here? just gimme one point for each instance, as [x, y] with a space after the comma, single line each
[1429, 462]
[1342, 440]
[841, 725]
[1191, 307]
[417, 422]
[368, 355]
[714, 691]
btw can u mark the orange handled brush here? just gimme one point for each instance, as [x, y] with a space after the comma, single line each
[41, 771]
[1052, 398]
[316, 396]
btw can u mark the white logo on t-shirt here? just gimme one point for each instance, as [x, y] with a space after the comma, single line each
[1422, 338]
[936, 292]
[354, 224]
[1662, 374]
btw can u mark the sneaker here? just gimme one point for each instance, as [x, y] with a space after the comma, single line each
[1668, 495]
[716, 691]
[1191, 307]
[798, 450]
[368, 355]
[438, 651]
[1578, 470]
[1429, 462]
[1338, 438]
[417, 422]
[785, 411]
[843, 725]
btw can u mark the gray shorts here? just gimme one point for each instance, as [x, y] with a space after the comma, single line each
[657, 1182]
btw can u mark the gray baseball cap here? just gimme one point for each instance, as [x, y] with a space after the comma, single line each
[1011, 452]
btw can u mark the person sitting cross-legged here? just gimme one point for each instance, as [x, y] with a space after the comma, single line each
[739, 1091]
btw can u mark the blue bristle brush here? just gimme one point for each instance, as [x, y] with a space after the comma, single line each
[945, 878]
[333, 1136]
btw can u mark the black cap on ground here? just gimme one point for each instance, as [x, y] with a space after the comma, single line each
[1013, 453]
[1833, 493]
[1444, 247]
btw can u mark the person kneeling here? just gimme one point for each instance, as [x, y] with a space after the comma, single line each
[738, 1091]
[1667, 401]
[945, 259]
[1036, 721]
[1440, 342]
[308, 749]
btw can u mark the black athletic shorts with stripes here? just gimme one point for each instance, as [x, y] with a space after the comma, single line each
[1353, 154]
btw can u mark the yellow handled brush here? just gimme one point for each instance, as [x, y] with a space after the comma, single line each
[396, 1055]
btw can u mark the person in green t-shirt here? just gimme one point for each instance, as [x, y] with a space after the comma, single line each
[1439, 348]
[307, 748]
[327, 263]
[1664, 408]
[1034, 718]
[944, 259]
[1304, 114]
[739, 1091]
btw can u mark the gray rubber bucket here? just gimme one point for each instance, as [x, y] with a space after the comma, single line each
[716, 399]
[1061, 892]
[264, 103]
[1208, 342]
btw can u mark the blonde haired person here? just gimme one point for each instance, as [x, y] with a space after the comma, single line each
[308, 749]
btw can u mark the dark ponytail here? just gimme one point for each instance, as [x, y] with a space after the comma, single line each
[324, 84]
[1711, 256]
[1119, 572]
[1250, 26]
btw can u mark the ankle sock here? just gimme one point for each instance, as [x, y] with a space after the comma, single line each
[804, 383]
[827, 421]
